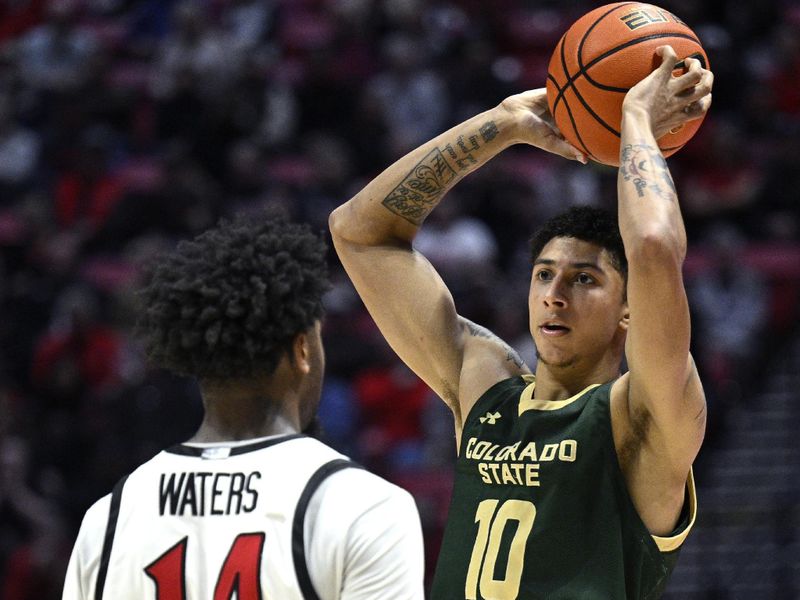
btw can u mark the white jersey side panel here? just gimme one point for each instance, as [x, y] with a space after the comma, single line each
[215, 526]
[383, 557]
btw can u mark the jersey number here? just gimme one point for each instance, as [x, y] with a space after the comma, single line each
[492, 522]
[240, 572]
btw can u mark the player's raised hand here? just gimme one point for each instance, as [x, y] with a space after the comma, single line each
[669, 100]
[535, 124]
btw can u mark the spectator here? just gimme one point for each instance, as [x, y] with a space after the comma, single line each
[730, 181]
[53, 54]
[32, 534]
[197, 50]
[413, 98]
[730, 302]
[87, 192]
[19, 151]
[248, 22]
[18, 16]
[391, 402]
[80, 355]
[459, 246]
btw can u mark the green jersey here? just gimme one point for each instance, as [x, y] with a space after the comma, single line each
[540, 508]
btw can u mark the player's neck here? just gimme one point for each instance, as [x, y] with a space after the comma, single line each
[233, 414]
[555, 382]
[210, 433]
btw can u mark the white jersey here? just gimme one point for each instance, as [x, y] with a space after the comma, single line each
[283, 518]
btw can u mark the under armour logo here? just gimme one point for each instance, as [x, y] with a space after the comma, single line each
[490, 418]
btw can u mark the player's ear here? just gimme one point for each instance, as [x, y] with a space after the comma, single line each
[625, 317]
[301, 352]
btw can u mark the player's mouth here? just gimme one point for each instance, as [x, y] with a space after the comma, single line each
[554, 328]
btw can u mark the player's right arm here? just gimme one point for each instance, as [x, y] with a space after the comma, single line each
[373, 234]
[81, 578]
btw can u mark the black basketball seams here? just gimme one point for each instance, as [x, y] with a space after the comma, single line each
[566, 104]
[572, 120]
[581, 68]
[570, 78]
[584, 70]
[608, 88]
[571, 83]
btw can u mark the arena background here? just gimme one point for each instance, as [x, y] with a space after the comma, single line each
[126, 125]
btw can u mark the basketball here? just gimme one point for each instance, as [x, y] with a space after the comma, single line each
[600, 57]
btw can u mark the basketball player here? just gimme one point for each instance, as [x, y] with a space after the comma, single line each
[575, 482]
[249, 506]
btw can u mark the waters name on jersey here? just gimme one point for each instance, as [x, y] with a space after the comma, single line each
[517, 464]
[201, 494]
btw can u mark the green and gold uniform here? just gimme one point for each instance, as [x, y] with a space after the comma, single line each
[540, 508]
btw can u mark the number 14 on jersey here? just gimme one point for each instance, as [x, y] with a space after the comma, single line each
[240, 573]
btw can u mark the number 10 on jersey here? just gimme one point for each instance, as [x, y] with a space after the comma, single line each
[492, 521]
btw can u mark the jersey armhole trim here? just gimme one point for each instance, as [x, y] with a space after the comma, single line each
[108, 540]
[673, 542]
[298, 523]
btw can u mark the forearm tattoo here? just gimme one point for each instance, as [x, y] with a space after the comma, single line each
[426, 184]
[643, 165]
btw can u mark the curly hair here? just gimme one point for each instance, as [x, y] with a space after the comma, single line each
[586, 223]
[228, 304]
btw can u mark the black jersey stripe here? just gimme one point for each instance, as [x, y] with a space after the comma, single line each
[108, 541]
[298, 523]
[185, 450]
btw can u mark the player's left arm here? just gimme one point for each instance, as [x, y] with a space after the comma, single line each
[665, 400]
[385, 551]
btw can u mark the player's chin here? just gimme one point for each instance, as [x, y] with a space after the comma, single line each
[554, 358]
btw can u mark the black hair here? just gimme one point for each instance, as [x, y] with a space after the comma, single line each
[228, 304]
[593, 225]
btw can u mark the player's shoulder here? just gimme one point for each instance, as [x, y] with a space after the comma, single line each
[93, 527]
[504, 394]
[96, 515]
[378, 509]
[371, 487]
[375, 495]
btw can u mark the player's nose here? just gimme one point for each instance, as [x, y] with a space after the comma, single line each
[555, 293]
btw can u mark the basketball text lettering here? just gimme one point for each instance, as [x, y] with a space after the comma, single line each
[643, 17]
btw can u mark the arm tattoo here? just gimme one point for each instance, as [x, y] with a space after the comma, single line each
[426, 184]
[489, 131]
[644, 166]
[512, 356]
[476, 330]
[421, 190]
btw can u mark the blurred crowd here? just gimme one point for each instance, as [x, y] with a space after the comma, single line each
[126, 125]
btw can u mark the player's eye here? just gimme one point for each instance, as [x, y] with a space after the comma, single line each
[543, 275]
[584, 278]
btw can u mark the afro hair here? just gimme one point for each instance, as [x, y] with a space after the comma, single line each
[228, 304]
[586, 223]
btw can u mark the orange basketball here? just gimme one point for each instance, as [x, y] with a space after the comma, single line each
[600, 57]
